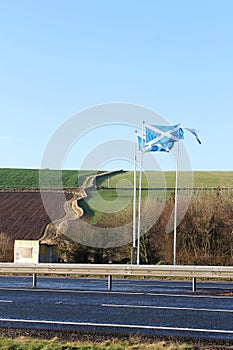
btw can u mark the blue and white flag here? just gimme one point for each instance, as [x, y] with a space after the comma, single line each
[194, 132]
[161, 138]
[141, 142]
[144, 147]
[165, 136]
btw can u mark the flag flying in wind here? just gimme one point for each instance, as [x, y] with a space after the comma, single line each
[141, 142]
[165, 136]
[194, 132]
[159, 138]
[144, 147]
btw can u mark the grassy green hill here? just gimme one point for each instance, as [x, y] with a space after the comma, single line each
[167, 179]
[121, 185]
[29, 178]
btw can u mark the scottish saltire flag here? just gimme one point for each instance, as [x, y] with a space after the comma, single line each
[161, 138]
[165, 136]
[194, 132]
[141, 142]
[144, 147]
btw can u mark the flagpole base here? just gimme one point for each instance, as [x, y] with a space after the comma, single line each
[133, 255]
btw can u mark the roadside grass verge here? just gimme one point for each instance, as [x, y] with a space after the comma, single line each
[26, 343]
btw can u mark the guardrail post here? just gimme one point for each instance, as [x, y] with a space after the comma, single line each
[109, 282]
[34, 280]
[194, 284]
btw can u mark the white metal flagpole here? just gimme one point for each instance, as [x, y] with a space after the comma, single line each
[175, 205]
[135, 195]
[139, 210]
[140, 197]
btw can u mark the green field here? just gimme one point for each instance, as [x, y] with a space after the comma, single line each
[29, 178]
[201, 179]
[117, 190]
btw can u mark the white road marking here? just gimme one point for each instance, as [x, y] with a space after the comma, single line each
[6, 301]
[190, 296]
[117, 325]
[165, 307]
[47, 290]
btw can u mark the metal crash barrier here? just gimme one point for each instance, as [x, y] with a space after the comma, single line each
[184, 271]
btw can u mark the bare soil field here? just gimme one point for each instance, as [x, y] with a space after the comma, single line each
[22, 214]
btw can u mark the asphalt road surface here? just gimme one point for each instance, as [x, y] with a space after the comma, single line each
[151, 307]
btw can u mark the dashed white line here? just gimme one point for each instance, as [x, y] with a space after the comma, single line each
[6, 301]
[165, 307]
[117, 325]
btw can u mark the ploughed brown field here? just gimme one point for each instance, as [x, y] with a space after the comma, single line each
[22, 214]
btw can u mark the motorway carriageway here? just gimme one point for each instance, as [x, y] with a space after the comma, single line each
[150, 307]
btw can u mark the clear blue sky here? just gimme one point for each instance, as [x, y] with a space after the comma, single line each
[59, 57]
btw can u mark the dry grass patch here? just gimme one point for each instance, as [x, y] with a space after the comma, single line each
[26, 343]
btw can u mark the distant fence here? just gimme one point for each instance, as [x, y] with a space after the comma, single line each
[168, 188]
[110, 270]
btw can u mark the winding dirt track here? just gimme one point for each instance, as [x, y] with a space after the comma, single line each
[22, 212]
[71, 207]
